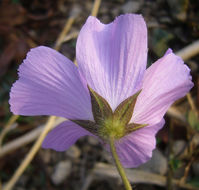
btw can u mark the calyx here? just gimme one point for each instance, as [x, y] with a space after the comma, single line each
[110, 123]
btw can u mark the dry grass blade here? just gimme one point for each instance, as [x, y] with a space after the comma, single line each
[175, 113]
[96, 7]
[25, 139]
[70, 36]
[30, 155]
[189, 51]
[135, 176]
[187, 168]
[192, 104]
[7, 128]
[62, 35]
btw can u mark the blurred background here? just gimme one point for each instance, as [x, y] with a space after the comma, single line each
[86, 165]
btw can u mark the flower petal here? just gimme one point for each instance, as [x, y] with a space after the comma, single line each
[112, 57]
[136, 148]
[64, 136]
[50, 84]
[167, 80]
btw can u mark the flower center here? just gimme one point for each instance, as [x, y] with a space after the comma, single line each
[112, 128]
[110, 123]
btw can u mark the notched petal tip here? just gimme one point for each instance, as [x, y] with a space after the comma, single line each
[168, 51]
[116, 66]
[185, 69]
[92, 19]
[165, 81]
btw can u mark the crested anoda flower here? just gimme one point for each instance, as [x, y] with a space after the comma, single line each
[109, 93]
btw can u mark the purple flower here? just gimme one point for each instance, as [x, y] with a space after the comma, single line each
[112, 61]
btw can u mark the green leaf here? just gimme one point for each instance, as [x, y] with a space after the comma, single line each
[124, 111]
[87, 124]
[100, 107]
[134, 127]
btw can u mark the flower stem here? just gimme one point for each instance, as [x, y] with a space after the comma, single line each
[120, 169]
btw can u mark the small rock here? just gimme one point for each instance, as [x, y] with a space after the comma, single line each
[131, 7]
[178, 147]
[73, 152]
[157, 164]
[62, 171]
[93, 141]
[196, 139]
[195, 167]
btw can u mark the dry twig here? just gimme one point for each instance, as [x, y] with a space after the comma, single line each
[192, 104]
[186, 172]
[67, 26]
[25, 139]
[95, 9]
[189, 51]
[60, 40]
[135, 176]
[70, 36]
[7, 128]
[175, 113]
[30, 155]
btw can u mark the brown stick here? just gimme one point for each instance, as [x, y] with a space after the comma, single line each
[135, 176]
[189, 51]
[96, 8]
[30, 155]
[25, 139]
[7, 128]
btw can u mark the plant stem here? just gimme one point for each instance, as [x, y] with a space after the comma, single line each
[120, 169]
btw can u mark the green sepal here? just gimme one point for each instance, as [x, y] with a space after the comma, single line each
[124, 110]
[108, 123]
[100, 107]
[90, 126]
[134, 127]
